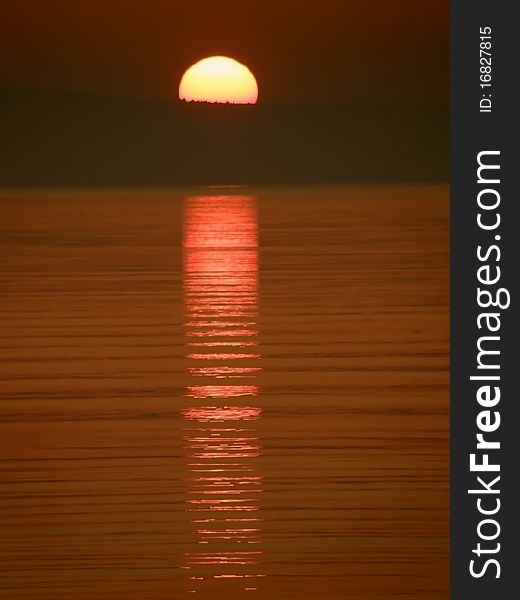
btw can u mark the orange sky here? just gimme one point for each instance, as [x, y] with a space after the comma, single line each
[300, 50]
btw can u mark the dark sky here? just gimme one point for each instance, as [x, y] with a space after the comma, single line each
[88, 91]
[300, 50]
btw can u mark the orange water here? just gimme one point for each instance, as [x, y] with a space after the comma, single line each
[225, 393]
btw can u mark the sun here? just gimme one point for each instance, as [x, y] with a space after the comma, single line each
[219, 79]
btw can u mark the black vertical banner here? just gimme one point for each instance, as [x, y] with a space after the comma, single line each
[485, 268]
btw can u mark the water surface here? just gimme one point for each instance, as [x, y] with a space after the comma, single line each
[225, 393]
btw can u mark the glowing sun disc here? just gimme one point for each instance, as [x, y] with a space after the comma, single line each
[219, 79]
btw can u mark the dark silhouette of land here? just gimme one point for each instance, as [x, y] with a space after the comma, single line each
[70, 138]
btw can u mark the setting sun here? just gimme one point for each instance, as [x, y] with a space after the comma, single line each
[219, 79]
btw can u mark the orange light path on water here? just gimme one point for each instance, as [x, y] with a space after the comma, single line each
[221, 305]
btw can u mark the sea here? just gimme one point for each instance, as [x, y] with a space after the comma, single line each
[225, 393]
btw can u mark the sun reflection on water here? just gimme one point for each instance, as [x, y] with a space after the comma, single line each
[221, 443]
